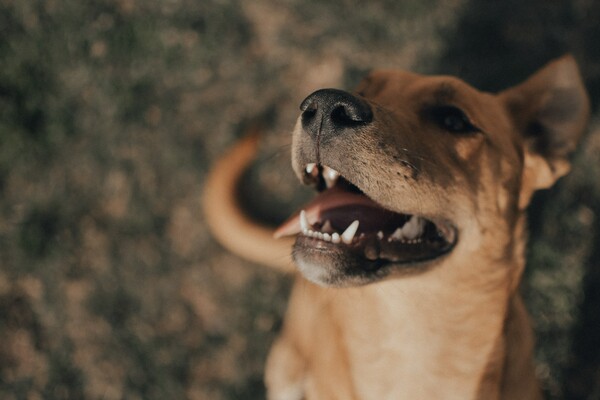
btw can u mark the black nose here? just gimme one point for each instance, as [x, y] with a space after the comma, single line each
[329, 112]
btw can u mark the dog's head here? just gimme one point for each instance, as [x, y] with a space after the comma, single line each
[414, 169]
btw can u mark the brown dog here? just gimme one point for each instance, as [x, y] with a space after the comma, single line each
[412, 253]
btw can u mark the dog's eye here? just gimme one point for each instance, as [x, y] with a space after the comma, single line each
[452, 119]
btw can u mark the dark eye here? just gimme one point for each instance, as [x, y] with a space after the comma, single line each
[452, 119]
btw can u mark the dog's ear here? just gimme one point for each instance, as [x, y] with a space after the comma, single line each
[550, 110]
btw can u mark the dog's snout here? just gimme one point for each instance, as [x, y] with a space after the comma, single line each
[329, 112]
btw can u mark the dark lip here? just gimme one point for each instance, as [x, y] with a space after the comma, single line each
[344, 268]
[356, 251]
[347, 265]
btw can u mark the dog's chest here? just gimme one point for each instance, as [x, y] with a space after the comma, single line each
[404, 349]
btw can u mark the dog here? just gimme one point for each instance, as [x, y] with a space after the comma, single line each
[411, 254]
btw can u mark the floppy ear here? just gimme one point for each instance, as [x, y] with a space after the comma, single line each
[550, 110]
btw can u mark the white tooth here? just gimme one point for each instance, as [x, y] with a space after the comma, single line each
[348, 234]
[397, 235]
[303, 221]
[413, 227]
[327, 237]
[380, 235]
[310, 167]
[327, 227]
[332, 173]
[335, 238]
[331, 176]
[320, 235]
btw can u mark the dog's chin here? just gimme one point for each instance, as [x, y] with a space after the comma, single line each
[332, 265]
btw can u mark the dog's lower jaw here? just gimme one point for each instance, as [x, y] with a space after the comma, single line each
[323, 268]
[334, 266]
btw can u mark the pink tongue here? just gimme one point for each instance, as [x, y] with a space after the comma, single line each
[325, 201]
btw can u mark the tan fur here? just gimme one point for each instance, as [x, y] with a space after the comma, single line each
[457, 327]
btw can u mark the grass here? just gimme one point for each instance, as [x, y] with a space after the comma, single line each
[111, 113]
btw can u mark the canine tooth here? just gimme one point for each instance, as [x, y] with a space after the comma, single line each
[413, 227]
[331, 176]
[303, 221]
[397, 235]
[327, 237]
[310, 168]
[335, 238]
[380, 235]
[349, 233]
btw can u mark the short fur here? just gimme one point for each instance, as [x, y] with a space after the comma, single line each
[454, 327]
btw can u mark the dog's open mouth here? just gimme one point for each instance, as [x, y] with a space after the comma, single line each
[342, 217]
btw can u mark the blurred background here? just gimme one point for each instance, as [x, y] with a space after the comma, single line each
[111, 114]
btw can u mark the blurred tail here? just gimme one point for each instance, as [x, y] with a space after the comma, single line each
[235, 230]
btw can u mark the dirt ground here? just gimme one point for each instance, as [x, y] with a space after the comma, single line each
[113, 111]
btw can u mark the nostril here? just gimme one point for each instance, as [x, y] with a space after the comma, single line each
[308, 114]
[339, 116]
[350, 114]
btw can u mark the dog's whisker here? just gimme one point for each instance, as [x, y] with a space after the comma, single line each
[417, 156]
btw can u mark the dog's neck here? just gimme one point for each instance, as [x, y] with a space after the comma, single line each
[447, 337]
